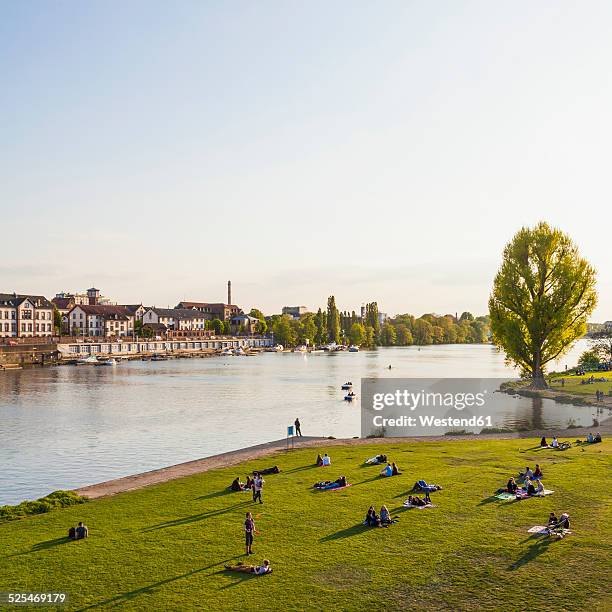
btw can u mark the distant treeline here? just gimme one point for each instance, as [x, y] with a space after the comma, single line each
[332, 325]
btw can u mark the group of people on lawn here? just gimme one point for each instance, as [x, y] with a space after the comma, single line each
[532, 482]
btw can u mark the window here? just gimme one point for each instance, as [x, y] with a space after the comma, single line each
[23, 327]
[26, 314]
[29, 327]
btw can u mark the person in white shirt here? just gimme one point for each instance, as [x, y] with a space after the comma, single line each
[326, 459]
[555, 443]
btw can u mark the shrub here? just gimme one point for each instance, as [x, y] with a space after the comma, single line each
[57, 499]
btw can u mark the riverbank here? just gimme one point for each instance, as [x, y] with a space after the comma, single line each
[164, 547]
[277, 449]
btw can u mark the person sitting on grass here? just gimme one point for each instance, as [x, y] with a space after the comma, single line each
[249, 483]
[326, 459]
[552, 520]
[259, 570]
[531, 490]
[395, 470]
[555, 442]
[527, 474]
[385, 516]
[543, 442]
[590, 438]
[564, 521]
[387, 471]
[512, 487]
[597, 437]
[81, 532]
[319, 460]
[537, 473]
[237, 485]
[371, 520]
[540, 488]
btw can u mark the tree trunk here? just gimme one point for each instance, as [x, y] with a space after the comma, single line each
[538, 381]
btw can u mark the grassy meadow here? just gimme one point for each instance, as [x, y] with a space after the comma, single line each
[163, 547]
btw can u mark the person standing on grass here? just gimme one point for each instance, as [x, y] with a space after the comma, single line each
[249, 531]
[258, 483]
[298, 431]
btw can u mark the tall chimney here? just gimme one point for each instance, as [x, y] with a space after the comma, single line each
[229, 292]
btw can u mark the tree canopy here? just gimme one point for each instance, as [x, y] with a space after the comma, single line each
[542, 297]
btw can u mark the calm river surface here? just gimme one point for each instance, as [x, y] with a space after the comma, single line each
[68, 426]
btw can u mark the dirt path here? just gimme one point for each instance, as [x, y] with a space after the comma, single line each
[137, 481]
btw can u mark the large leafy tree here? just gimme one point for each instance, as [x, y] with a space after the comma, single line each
[542, 297]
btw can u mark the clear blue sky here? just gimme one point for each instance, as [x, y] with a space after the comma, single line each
[377, 151]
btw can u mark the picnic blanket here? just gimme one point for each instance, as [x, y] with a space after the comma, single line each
[522, 494]
[543, 530]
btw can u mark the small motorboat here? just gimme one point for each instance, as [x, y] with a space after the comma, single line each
[106, 362]
[349, 397]
[353, 349]
[158, 357]
[91, 360]
[347, 386]
[300, 349]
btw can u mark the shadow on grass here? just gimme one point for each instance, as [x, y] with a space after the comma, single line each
[194, 518]
[345, 533]
[221, 493]
[301, 468]
[534, 551]
[44, 546]
[150, 588]
[489, 500]
[239, 578]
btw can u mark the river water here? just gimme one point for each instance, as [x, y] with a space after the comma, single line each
[69, 426]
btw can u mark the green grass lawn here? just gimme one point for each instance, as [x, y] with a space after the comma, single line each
[573, 383]
[163, 547]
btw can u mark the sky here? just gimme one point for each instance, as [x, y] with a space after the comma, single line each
[375, 151]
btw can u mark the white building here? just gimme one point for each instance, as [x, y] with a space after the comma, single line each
[25, 316]
[98, 320]
[176, 319]
[295, 311]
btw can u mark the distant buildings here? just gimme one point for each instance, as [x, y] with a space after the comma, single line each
[295, 311]
[221, 311]
[243, 324]
[175, 319]
[608, 325]
[25, 316]
[92, 297]
[100, 320]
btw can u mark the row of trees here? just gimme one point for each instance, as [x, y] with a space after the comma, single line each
[346, 327]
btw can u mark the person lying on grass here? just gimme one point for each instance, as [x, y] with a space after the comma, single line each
[259, 570]
[377, 459]
[331, 484]
[415, 500]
